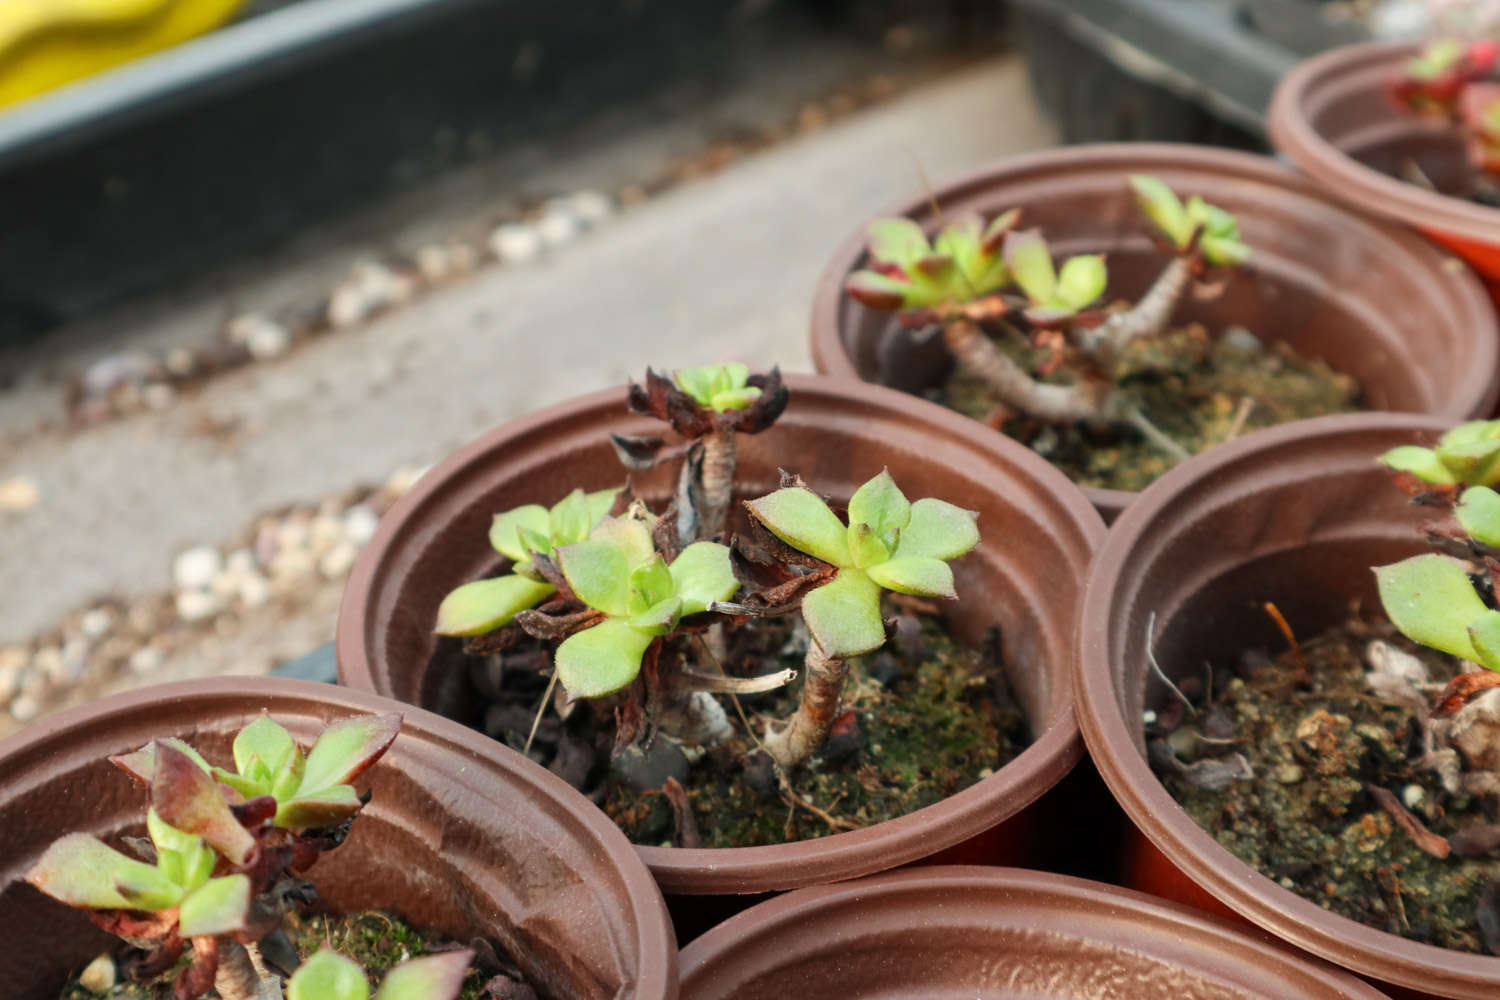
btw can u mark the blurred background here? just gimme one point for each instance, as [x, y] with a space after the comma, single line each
[262, 262]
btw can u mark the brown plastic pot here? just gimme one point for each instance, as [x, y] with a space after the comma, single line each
[1368, 298]
[1333, 116]
[1295, 515]
[956, 932]
[463, 843]
[1026, 576]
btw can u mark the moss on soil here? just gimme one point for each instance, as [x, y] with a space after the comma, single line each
[1188, 385]
[942, 720]
[1306, 818]
[377, 941]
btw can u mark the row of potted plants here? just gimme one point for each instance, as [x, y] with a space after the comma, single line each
[623, 625]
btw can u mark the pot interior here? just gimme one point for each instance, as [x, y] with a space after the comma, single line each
[1325, 282]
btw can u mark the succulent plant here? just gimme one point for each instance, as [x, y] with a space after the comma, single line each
[482, 606]
[1468, 454]
[962, 264]
[1217, 231]
[274, 814]
[1055, 296]
[1431, 599]
[889, 543]
[1479, 109]
[327, 975]
[637, 596]
[1433, 81]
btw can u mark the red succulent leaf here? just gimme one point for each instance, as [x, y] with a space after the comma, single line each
[763, 412]
[198, 978]
[255, 812]
[190, 800]
[1462, 689]
[138, 926]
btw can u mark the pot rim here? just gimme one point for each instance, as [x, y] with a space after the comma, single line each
[1346, 178]
[53, 736]
[1474, 395]
[1157, 815]
[795, 910]
[1057, 748]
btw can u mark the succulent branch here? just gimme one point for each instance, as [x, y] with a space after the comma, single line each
[1467, 454]
[1433, 82]
[1479, 110]
[272, 815]
[889, 543]
[708, 406]
[521, 535]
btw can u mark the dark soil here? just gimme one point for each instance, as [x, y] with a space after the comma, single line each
[1308, 818]
[927, 717]
[377, 941]
[1189, 385]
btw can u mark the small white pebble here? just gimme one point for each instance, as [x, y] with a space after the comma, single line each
[25, 708]
[324, 533]
[95, 622]
[291, 534]
[270, 341]
[145, 660]
[99, 975]
[240, 562]
[405, 478]
[1412, 796]
[558, 227]
[462, 258]
[593, 207]
[195, 568]
[254, 590]
[158, 396]
[18, 493]
[434, 263]
[360, 523]
[49, 662]
[196, 605]
[515, 243]
[338, 561]
[180, 361]
[293, 564]
[1148, 717]
[10, 681]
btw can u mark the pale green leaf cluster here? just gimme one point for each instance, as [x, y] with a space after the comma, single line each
[1438, 58]
[81, 870]
[1430, 599]
[617, 571]
[1469, 453]
[485, 605]
[963, 263]
[718, 387]
[331, 976]
[889, 543]
[1054, 295]
[1218, 231]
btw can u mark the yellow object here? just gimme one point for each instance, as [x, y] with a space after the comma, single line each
[47, 43]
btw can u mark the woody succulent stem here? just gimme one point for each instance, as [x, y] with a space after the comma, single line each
[1012, 386]
[718, 481]
[807, 730]
[239, 975]
[1150, 316]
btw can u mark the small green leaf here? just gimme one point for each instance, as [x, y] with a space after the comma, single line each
[734, 399]
[1420, 462]
[701, 575]
[630, 534]
[1223, 252]
[568, 520]
[167, 838]
[505, 530]
[1082, 281]
[1030, 263]
[601, 660]
[141, 764]
[710, 382]
[994, 233]
[265, 739]
[1162, 207]
[328, 976]
[221, 906]
[880, 503]
[1478, 512]
[1485, 636]
[844, 615]
[284, 784]
[800, 518]
[879, 291]
[660, 618]
[484, 605]
[865, 547]
[1469, 432]
[248, 788]
[1429, 599]
[650, 584]
[599, 573]
[920, 575]
[897, 241]
[432, 977]
[1476, 462]
[345, 749]
[600, 502]
[316, 810]
[938, 530]
[81, 870]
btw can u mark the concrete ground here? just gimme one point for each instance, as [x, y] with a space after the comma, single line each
[719, 267]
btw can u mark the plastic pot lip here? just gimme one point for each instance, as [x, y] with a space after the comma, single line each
[790, 913]
[1473, 397]
[1348, 179]
[713, 871]
[1157, 815]
[57, 737]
